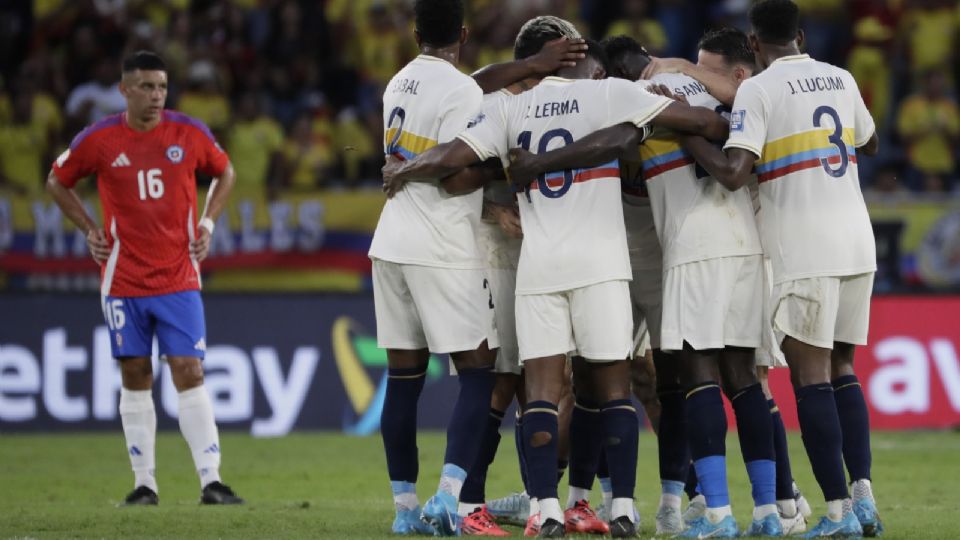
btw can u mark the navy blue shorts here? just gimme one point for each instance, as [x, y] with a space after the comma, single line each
[176, 320]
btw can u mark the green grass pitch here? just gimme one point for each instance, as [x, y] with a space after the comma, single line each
[334, 486]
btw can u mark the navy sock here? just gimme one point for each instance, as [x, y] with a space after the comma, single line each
[691, 487]
[823, 438]
[755, 431]
[540, 445]
[706, 433]
[784, 474]
[672, 437]
[855, 424]
[398, 422]
[521, 450]
[586, 443]
[602, 470]
[621, 433]
[473, 491]
[470, 411]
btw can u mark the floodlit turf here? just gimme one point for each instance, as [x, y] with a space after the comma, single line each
[333, 486]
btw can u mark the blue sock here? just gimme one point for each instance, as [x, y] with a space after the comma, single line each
[398, 423]
[586, 444]
[540, 445]
[621, 433]
[755, 431]
[473, 491]
[521, 451]
[823, 438]
[469, 413]
[706, 433]
[672, 437]
[691, 486]
[784, 474]
[855, 424]
[671, 487]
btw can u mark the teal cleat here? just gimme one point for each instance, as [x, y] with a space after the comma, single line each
[513, 509]
[769, 526]
[869, 518]
[440, 513]
[408, 522]
[703, 528]
[848, 527]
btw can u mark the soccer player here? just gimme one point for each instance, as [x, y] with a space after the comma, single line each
[149, 255]
[571, 281]
[798, 124]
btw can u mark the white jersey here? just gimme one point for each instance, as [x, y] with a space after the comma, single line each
[804, 120]
[642, 240]
[572, 220]
[696, 218]
[500, 251]
[426, 103]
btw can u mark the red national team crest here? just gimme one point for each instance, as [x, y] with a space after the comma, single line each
[175, 153]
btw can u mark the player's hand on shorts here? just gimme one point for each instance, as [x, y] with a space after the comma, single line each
[556, 54]
[98, 245]
[662, 90]
[521, 170]
[200, 248]
[664, 65]
[391, 183]
[509, 219]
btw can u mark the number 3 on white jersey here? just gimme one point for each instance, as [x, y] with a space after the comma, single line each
[150, 184]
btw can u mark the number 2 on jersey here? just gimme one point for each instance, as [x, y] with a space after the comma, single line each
[836, 139]
[150, 184]
[524, 141]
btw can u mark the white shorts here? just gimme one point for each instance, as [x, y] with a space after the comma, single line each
[503, 284]
[822, 310]
[646, 299]
[441, 309]
[769, 353]
[593, 321]
[712, 304]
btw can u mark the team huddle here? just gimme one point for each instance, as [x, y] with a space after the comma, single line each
[587, 223]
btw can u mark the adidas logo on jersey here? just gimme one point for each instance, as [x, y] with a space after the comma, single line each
[121, 161]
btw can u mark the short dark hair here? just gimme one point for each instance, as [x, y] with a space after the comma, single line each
[732, 44]
[439, 21]
[145, 60]
[595, 51]
[536, 32]
[616, 47]
[775, 21]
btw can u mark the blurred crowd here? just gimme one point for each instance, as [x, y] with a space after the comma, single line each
[292, 88]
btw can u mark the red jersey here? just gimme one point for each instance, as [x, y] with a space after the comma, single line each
[148, 191]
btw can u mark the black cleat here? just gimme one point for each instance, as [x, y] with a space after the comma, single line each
[219, 493]
[142, 496]
[622, 527]
[552, 528]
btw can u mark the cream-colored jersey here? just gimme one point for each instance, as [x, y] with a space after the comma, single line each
[572, 220]
[642, 240]
[804, 120]
[500, 251]
[696, 218]
[426, 103]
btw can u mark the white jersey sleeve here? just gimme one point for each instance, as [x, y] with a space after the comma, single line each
[487, 133]
[458, 109]
[748, 121]
[629, 102]
[863, 126]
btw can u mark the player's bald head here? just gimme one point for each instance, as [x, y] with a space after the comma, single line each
[536, 32]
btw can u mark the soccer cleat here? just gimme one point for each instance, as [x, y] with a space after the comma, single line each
[581, 519]
[218, 493]
[848, 527]
[669, 520]
[703, 528]
[551, 528]
[793, 525]
[533, 526]
[802, 505]
[869, 518]
[481, 523]
[408, 522]
[769, 526]
[440, 512]
[513, 509]
[622, 527]
[695, 510]
[142, 496]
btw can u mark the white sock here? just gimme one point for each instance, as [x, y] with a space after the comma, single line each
[622, 506]
[534, 506]
[787, 508]
[465, 509]
[862, 489]
[200, 430]
[760, 512]
[550, 508]
[139, 420]
[835, 510]
[670, 501]
[405, 501]
[576, 495]
[715, 515]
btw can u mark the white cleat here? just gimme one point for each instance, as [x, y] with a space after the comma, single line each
[802, 505]
[695, 510]
[669, 520]
[793, 525]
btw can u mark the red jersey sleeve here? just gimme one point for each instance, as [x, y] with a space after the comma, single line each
[212, 160]
[76, 162]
